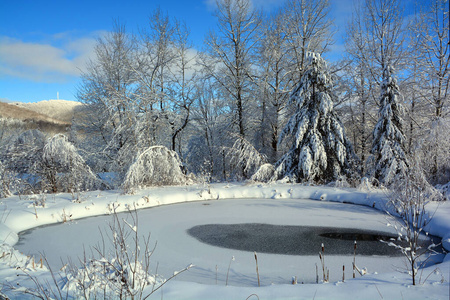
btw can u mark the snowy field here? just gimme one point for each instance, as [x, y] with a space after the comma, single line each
[279, 204]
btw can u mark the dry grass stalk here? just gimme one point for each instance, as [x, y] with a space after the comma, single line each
[325, 271]
[257, 271]
[354, 260]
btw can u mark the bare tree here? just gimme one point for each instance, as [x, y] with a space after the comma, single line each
[153, 60]
[230, 57]
[6, 178]
[108, 88]
[183, 81]
[431, 30]
[308, 29]
[430, 36]
[384, 35]
[409, 199]
[232, 50]
[361, 115]
[209, 132]
[275, 82]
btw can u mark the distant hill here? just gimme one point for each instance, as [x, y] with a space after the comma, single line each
[50, 116]
[61, 110]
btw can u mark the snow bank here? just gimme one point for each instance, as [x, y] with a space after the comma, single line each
[24, 215]
[21, 213]
[7, 235]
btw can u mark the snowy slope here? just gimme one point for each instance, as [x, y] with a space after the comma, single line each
[62, 110]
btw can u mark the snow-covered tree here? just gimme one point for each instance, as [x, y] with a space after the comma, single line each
[264, 173]
[409, 198]
[156, 165]
[25, 151]
[389, 159]
[320, 151]
[244, 156]
[64, 170]
[54, 165]
[434, 151]
[431, 73]
[22, 157]
[108, 88]
[4, 182]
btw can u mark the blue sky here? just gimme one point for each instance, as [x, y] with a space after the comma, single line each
[44, 44]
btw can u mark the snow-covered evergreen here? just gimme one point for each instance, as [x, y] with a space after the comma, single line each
[389, 159]
[320, 151]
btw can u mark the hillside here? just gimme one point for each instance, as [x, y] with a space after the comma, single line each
[61, 110]
[32, 119]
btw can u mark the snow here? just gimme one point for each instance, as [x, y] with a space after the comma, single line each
[19, 215]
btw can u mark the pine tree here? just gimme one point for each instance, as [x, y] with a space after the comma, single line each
[388, 150]
[320, 151]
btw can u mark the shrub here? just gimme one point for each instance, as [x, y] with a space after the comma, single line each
[155, 166]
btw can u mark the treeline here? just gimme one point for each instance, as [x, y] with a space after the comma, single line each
[259, 93]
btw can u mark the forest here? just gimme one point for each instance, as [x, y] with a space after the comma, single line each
[257, 101]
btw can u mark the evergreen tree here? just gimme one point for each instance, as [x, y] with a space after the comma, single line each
[320, 151]
[388, 150]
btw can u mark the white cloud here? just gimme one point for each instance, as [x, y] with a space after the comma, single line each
[44, 62]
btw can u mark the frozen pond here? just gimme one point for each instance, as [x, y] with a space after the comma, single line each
[278, 220]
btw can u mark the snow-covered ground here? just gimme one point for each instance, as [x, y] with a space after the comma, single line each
[176, 249]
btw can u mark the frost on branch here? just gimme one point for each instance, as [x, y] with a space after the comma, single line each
[264, 173]
[320, 151]
[102, 277]
[25, 152]
[434, 151]
[4, 182]
[245, 156]
[409, 199]
[63, 169]
[155, 166]
[54, 164]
